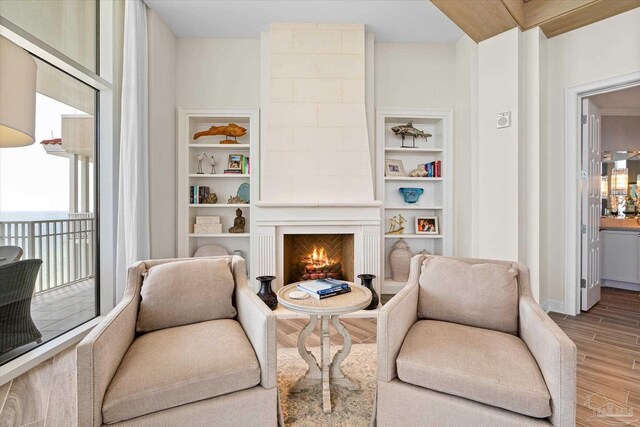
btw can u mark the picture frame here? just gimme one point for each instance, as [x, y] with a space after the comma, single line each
[427, 225]
[235, 162]
[393, 167]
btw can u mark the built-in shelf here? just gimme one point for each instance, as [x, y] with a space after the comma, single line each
[412, 150]
[435, 199]
[221, 205]
[413, 236]
[219, 175]
[410, 178]
[422, 208]
[229, 147]
[224, 185]
[196, 236]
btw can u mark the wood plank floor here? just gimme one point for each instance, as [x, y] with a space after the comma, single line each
[608, 340]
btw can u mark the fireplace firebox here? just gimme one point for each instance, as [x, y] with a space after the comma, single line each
[318, 256]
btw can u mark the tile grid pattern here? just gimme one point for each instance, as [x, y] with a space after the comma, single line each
[316, 118]
[608, 340]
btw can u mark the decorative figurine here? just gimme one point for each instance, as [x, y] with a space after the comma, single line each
[200, 157]
[231, 129]
[408, 129]
[211, 199]
[235, 200]
[212, 162]
[238, 223]
[395, 224]
[420, 171]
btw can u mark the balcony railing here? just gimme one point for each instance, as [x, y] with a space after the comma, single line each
[65, 246]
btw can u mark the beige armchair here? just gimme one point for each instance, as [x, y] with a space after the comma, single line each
[465, 344]
[218, 372]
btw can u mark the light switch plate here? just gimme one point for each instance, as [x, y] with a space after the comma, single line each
[503, 120]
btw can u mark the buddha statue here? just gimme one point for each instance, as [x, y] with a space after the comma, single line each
[238, 223]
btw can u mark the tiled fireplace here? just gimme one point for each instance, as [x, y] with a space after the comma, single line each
[316, 182]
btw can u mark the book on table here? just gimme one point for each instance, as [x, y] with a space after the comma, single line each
[324, 288]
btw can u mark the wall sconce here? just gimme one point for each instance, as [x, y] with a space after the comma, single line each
[18, 100]
[619, 184]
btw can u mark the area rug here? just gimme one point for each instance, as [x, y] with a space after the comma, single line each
[349, 408]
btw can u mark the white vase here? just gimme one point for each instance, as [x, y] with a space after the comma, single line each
[400, 261]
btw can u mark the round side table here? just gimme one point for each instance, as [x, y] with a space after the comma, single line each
[328, 309]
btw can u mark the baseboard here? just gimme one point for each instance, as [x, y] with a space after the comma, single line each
[554, 305]
[621, 285]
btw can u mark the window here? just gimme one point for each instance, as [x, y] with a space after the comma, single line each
[48, 191]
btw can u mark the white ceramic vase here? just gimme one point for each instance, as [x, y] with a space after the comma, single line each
[400, 261]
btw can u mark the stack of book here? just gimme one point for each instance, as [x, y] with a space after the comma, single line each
[324, 288]
[198, 194]
[433, 169]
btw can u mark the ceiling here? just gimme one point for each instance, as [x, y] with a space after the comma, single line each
[402, 21]
[619, 100]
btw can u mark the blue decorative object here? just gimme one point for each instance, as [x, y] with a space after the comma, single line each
[244, 192]
[411, 194]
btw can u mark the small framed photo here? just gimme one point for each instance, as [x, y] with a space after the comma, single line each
[235, 162]
[427, 225]
[393, 168]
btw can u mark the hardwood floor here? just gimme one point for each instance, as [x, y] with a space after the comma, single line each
[608, 340]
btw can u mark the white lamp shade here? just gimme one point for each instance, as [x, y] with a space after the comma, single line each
[619, 181]
[17, 95]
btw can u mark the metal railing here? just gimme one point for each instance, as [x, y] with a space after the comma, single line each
[65, 246]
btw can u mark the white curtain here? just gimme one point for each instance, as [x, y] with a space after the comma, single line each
[133, 194]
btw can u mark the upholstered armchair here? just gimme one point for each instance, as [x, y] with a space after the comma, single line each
[189, 345]
[465, 344]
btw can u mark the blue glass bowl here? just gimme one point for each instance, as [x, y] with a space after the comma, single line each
[411, 194]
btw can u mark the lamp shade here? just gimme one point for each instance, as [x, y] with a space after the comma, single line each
[619, 181]
[17, 95]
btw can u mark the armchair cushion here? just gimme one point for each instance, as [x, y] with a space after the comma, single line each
[478, 364]
[183, 292]
[175, 366]
[483, 295]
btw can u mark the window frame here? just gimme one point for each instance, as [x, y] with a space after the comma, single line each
[105, 170]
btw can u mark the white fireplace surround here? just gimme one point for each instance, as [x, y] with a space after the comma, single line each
[275, 220]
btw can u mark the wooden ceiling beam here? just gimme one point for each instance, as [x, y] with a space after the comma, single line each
[484, 19]
[516, 8]
[480, 20]
[589, 13]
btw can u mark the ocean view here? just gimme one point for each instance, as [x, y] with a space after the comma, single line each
[32, 215]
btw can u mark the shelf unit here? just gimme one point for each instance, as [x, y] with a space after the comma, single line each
[190, 121]
[437, 197]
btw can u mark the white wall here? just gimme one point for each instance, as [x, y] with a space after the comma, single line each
[602, 50]
[218, 73]
[415, 75]
[162, 137]
[498, 180]
[465, 154]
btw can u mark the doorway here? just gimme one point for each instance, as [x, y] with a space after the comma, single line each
[609, 234]
[573, 179]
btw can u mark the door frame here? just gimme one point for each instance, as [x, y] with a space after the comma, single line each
[573, 196]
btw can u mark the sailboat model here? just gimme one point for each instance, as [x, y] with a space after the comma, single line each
[396, 224]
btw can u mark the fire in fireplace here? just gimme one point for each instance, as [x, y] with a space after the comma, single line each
[318, 265]
[318, 256]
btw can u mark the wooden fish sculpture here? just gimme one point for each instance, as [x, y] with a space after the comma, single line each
[231, 129]
[408, 129]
